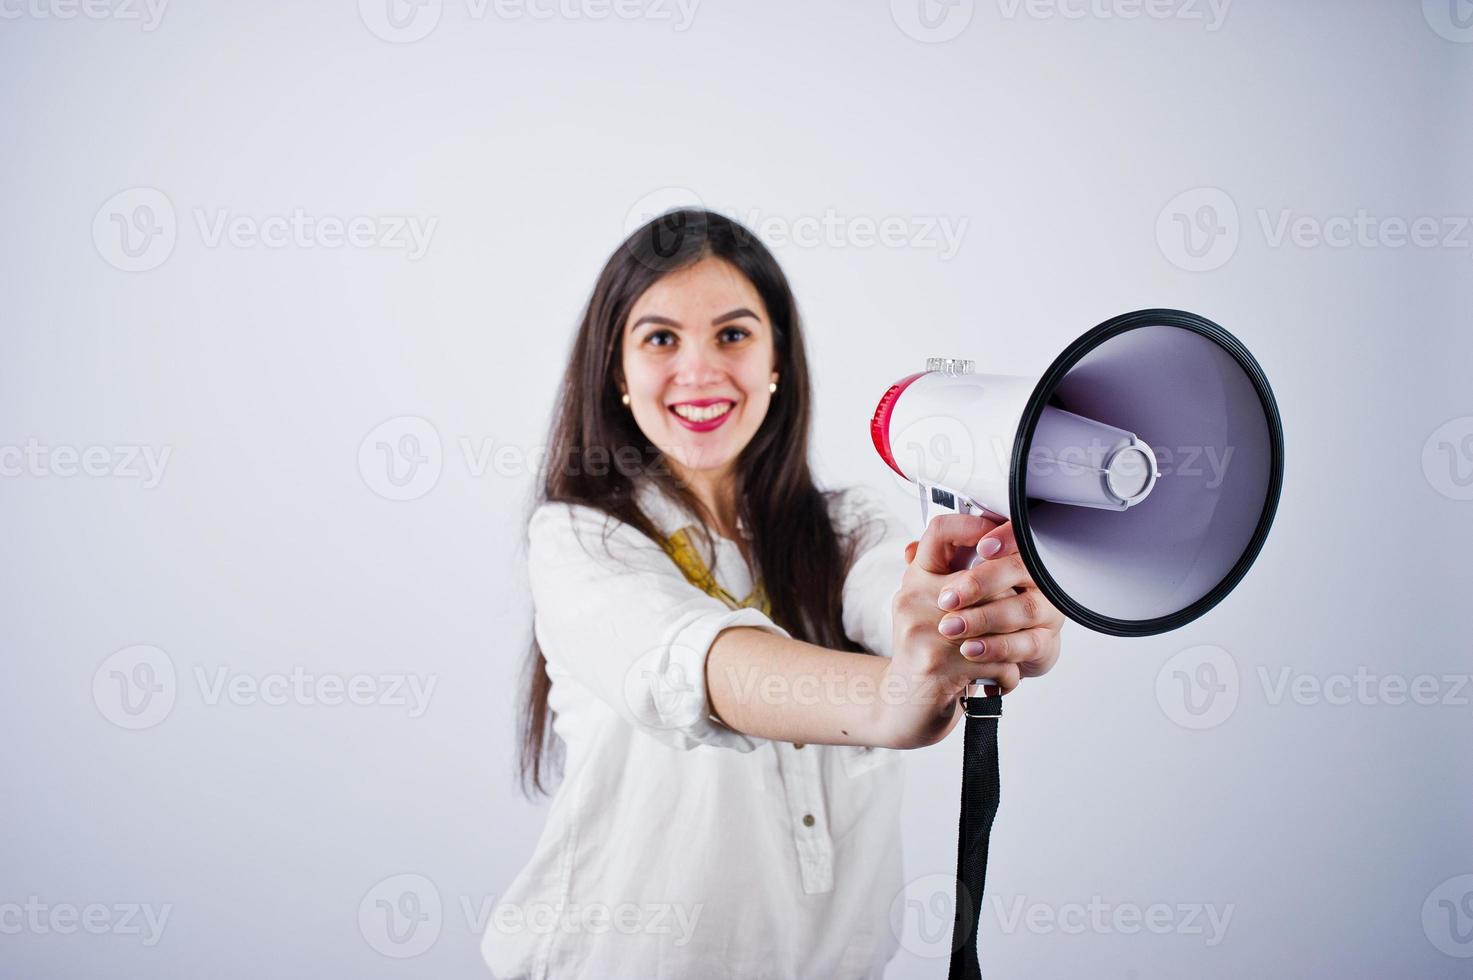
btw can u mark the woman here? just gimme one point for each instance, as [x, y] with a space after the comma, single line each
[706, 629]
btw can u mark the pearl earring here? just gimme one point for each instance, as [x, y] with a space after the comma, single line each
[772, 387]
[625, 399]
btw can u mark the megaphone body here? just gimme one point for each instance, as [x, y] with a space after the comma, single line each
[1141, 471]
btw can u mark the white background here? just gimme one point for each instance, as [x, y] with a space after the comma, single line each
[1060, 138]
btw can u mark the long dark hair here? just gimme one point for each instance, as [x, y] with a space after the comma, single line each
[795, 551]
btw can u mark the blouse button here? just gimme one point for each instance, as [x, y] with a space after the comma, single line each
[808, 820]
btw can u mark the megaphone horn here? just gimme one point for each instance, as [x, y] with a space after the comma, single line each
[1141, 471]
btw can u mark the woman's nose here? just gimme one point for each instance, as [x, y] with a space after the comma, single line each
[697, 369]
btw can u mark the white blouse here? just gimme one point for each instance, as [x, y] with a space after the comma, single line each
[676, 848]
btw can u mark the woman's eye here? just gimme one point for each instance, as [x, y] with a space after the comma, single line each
[733, 334]
[660, 338]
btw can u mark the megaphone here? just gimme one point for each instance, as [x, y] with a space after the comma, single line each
[1141, 471]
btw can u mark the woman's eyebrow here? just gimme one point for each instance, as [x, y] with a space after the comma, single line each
[663, 321]
[735, 314]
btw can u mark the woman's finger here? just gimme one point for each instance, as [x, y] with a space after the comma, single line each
[1034, 647]
[999, 575]
[910, 551]
[997, 542]
[944, 535]
[1017, 611]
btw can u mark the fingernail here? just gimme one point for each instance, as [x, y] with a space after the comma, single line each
[991, 547]
[974, 649]
[952, 626]
[948, 599]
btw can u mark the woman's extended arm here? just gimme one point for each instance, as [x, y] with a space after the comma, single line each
[775, 687]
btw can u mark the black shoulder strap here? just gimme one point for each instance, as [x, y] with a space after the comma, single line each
[979, 807]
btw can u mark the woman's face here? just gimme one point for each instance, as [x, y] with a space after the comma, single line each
[698, 358]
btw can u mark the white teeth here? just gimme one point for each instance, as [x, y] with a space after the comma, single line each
[706, 414]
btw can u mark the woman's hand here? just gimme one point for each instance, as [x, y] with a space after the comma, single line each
[1014, 623]
[1008, 630]
[926, 674]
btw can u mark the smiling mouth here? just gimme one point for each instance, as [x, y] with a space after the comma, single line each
[702, 416]
[702, 413]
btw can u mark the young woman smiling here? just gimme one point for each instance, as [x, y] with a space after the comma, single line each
[728, 655]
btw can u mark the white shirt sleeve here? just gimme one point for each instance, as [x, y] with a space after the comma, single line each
[874, 578]
[613, 610]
